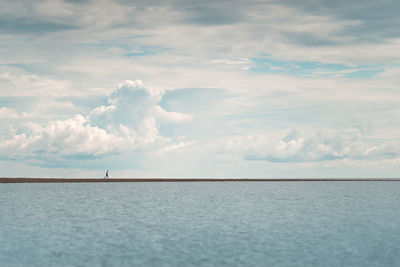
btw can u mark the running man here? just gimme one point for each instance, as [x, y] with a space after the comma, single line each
[106, 177]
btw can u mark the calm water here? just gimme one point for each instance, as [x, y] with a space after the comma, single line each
[201, 224]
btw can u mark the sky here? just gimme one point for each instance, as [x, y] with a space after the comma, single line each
[256, 89]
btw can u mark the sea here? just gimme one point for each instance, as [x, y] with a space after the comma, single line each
[200, 224]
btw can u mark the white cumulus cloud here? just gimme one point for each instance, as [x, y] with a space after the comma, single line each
[309, 146]
[130, 122]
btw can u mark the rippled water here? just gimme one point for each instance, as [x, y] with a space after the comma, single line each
[201, 224]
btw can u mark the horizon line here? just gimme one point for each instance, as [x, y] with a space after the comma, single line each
[102, 180]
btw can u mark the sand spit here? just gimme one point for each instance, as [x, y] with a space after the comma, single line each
[130, 180]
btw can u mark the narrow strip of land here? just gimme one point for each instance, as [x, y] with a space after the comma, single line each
[130, 180]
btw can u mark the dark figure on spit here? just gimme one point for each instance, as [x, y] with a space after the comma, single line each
[106, 177]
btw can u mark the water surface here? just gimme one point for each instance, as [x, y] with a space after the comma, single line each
[200, 224]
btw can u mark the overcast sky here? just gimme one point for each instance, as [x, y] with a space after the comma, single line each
[301, 88]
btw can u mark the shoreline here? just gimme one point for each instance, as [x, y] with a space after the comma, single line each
[157, 180]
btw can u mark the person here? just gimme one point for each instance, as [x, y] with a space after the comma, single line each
[106, 177]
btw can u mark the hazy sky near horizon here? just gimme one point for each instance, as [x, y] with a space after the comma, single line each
[292, 88]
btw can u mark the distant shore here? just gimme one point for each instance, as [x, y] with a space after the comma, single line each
[133, 180]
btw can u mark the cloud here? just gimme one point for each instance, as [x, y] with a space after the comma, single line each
[11, 113]
[174, 147]
[63, 138]
[214, 15]
[130, 123]
[33, 85]
[52, 16]
[169, 116]
[311, 146]
[131, 103]
[35, 17]
[378, 20]
[27, 26]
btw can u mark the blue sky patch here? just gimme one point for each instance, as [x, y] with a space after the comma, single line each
[314, 68]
